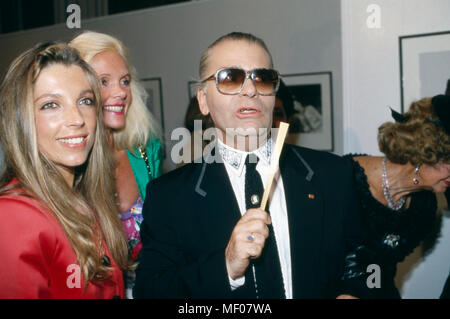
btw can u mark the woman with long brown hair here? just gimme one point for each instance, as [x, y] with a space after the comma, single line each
[60, 236]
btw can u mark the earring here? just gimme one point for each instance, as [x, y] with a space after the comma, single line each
[415, 180]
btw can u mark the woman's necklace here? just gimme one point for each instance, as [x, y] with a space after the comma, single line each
[395, 205]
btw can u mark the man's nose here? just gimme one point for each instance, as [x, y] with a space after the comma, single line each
[248, 87]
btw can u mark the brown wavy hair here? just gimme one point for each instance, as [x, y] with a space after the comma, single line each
[86, 211]
[419, 140]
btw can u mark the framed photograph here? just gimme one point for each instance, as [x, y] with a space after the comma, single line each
[192, 89]
[424, 66]
[311, 115]
[153, 87]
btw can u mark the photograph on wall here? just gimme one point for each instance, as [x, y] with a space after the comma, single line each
[310, 114]
[192, 88]
[153, 88]
[424, 66]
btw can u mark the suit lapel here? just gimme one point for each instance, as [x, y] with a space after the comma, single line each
[305, 211]
[221, 210]
[221, 214]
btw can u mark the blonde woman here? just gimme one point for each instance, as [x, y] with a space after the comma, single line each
[132, 131]
[395, 191]
[59, 236]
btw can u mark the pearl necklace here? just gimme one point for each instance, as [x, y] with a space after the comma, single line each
[395, 205]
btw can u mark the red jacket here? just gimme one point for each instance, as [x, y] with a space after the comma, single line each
[37, 259]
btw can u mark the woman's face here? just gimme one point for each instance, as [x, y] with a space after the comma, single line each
[436, 176]
[65, 116]
[115, 87]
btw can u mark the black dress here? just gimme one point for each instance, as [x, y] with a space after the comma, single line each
[446, 291]
[390, 235]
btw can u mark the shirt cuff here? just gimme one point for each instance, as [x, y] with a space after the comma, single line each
[236, 283]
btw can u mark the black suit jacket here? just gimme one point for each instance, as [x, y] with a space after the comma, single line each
[190, 213]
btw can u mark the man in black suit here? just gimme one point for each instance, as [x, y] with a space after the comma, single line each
[204, 235]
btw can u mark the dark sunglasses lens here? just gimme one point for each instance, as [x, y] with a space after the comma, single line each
[230, 80]
[266, 81]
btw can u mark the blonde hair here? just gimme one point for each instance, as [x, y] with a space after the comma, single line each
[86, 211]
[140, 125]
[419, 140]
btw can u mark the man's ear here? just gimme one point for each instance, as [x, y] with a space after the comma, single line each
[202, 104]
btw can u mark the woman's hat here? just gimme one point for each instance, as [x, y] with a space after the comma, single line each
[441, 104]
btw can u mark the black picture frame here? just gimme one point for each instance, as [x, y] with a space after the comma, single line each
[153, 87]
[424, 59]
[311, 122]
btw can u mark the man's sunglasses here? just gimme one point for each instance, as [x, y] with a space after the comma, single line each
[230, 81]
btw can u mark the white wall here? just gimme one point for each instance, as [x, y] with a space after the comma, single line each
[423, 273]
[371, 68]
[371, 82]
[302, 35]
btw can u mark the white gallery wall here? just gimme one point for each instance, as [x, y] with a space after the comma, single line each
[303, 35]
[371, 62]
[371, 83]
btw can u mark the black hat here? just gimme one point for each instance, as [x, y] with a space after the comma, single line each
[441, 104]
[398, 117]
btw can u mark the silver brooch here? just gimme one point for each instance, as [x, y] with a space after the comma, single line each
[254, 199]
[391, 240]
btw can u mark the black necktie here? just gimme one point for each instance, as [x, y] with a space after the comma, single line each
[269, 281]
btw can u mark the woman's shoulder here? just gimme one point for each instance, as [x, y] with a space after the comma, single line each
[364, 176]
[359, 165]
[22, 210]
[18, 200]
[27, 224]
[358, 160]
[154, 143]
